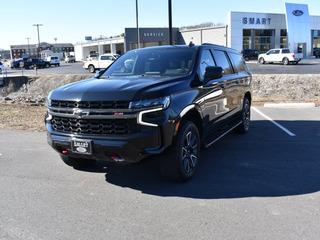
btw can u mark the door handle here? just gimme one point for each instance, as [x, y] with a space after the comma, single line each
[209, 85]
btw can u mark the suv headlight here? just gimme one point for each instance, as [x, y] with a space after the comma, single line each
[163, 102]
[149, 106]
[48, 102]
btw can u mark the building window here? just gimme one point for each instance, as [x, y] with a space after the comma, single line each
[283, 38]
[263, 39]
[258, 39]
[246, 39]
[316, 39]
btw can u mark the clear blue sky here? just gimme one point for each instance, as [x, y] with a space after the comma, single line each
[70, 21]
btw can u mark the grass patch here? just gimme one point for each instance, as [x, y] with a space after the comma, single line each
[22, 116]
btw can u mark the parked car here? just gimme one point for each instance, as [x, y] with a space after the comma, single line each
[31, 63]
[169, 100]
[15, 63]
[54, 60]
[316, 53]
[280, 55]
[1, 67]
[102, 62]
[250, 54]
[92, 56]
[69, 59]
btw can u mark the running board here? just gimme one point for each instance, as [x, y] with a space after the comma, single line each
[216, 139]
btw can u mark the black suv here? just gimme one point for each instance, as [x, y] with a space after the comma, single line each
[169, 100]
[316, 52]
[250, 54]
[39, 63]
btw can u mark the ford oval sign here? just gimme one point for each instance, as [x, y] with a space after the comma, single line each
[297, 13]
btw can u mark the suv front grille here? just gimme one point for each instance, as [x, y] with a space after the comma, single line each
[91, 104]
[94, 126]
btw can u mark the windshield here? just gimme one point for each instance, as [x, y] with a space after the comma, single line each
[161, 61]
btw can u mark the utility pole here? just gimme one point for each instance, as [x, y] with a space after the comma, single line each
[137, 18]
[28, 46]
[38, 38]
[170, 21]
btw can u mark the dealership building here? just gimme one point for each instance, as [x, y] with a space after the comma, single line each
[295, 29]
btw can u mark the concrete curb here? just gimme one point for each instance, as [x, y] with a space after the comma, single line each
[289, 105]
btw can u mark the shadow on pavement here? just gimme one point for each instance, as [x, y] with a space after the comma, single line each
[263, 163]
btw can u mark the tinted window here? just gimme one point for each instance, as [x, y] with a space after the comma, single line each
[222, 61]
[285, 51]
[238, 62]
[276, 51]
[206, 60]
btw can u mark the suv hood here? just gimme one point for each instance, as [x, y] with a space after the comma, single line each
[120, 88]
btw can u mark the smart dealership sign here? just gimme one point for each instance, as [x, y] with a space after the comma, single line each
[256, 21]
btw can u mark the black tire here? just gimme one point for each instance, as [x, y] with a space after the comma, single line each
[245, 117]
[247, 58]
[182, 160]
[47, 65]
[77, 162]
[261, 60]
[58, 65]
[295, 63]
[30, 67]
[92, 69]
[285, 61]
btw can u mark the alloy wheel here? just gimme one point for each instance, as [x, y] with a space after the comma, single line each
[190, 152]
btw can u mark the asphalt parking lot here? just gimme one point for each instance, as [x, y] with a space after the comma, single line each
[306, 66]
[64, 68]
[261, 185]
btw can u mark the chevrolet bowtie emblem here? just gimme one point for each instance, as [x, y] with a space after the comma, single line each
[80, 113]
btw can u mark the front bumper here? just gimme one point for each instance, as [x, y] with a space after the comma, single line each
[130, 148]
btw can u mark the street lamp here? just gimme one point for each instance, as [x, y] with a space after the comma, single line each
[170, 21]
[28, 46]
[38, 37]
[137, 19]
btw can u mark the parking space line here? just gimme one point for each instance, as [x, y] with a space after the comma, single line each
[274, 122]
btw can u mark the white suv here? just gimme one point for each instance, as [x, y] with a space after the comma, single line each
[69, 59]
[54, 61]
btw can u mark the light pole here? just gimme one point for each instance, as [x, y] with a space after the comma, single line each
[137, 18]
[170, 22]
[38, 38]
[28, 46]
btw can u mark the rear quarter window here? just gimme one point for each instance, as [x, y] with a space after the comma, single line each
[238, 62]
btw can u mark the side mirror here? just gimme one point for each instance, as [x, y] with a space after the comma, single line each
[213, 72]
[97, 75]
